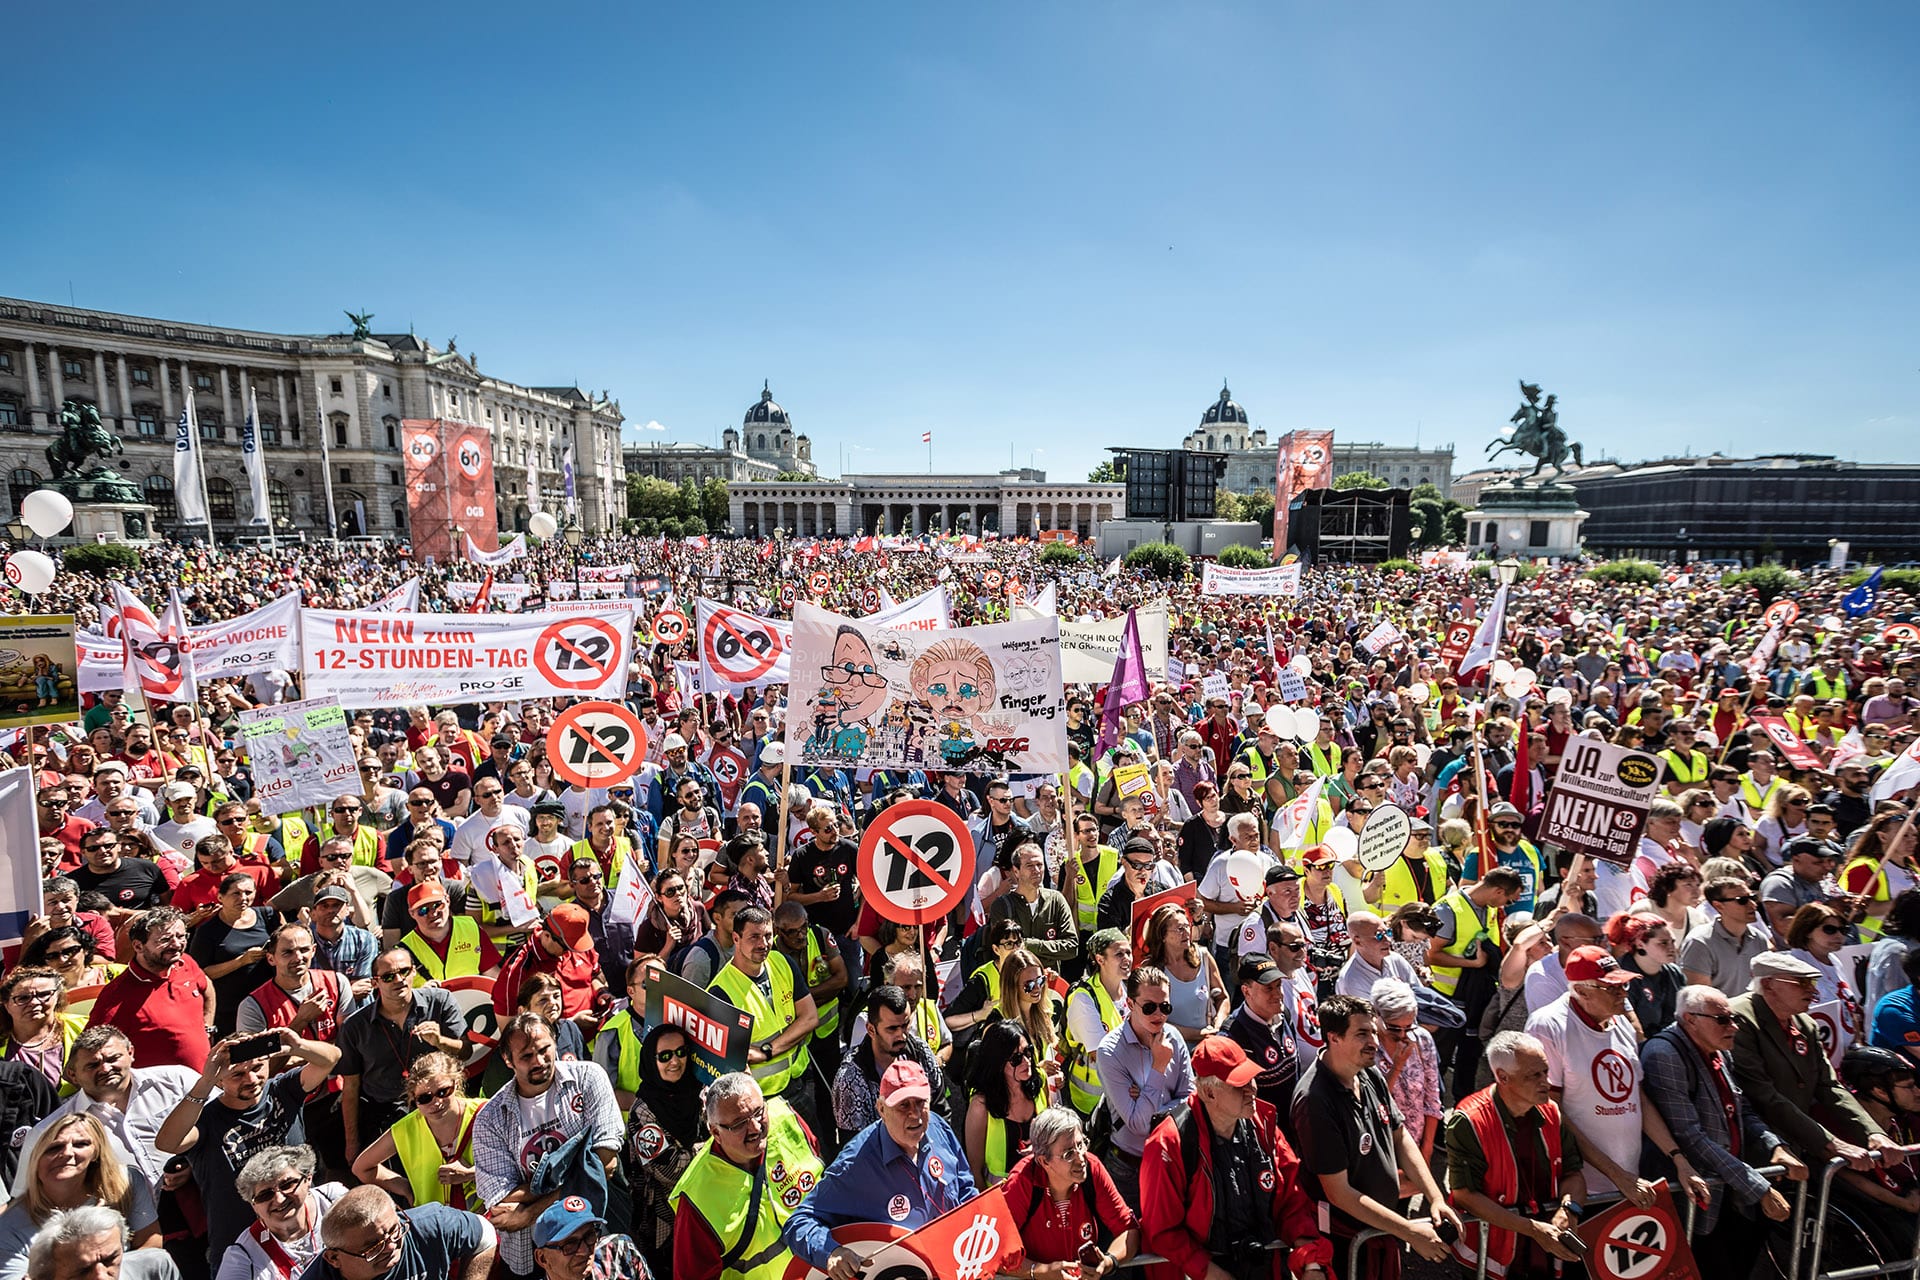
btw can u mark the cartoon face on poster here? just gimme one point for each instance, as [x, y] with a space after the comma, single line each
[973, 700]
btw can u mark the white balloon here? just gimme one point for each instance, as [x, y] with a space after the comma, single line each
[1420, 693]
[1559, 693]
[1280, 719]
[1502, 671]
[1301, 665]
[1344, 842]
[1517, 688]
[47, 512]
[1422, 753]
[1832, 623]
[1306, 724]
[542, 525]
[1577, 618]
[1525, 674]
[31, 571]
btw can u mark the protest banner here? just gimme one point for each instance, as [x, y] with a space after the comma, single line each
[1291, 684]
[974, 699]
[449, 477]
[1598, 802]
[1088, 650]
[1798, 752]
[586, 589]
[267, 639]
[101, 662]
[1833, 1019]
[400, 659]
[39, 672]
[1380, 638]
[510, 595]
[717, 1030]
[1213, 685]
[300, 754]
[404, 598]
[1277, 580]
[928, 611]
[739, 650]
[20, 883]
[513, 549]
[1305, 462]
[1625, 1242]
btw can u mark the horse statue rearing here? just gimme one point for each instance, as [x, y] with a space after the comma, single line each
[81, 436]
[1535, 431]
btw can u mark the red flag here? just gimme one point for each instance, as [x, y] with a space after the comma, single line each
[480, 597]
[977, 1241]
[1520, 789]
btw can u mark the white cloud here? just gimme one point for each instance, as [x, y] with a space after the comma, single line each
[654, 426]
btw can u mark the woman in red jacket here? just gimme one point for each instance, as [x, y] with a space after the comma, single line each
[1209, 1233]
[1069, 1212]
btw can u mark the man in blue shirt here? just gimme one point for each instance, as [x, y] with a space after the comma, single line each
[364, 1237]
[1896, 1019]
[905, 1169]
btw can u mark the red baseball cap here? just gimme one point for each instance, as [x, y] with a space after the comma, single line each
[1596, 964]
[429, 891]
[1219, 1058]
[570, 923]
[904, 1081]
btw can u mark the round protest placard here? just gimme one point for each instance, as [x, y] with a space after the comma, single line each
[916, 862]
[578, 653]
[1781, 613]
[670, 627]
[1385, 837]
[1636, 1247]
[992, 580]
[739, 646]
[818, 582]
[596, 744]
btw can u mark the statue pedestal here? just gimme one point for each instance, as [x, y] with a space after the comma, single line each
[110, 522]
[1540, 521]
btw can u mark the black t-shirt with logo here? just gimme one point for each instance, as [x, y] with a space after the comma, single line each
[811, 869]
[134, 884]
[1348, 1131]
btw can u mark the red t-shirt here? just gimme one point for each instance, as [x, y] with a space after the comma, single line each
[199, 888]
[165, 1017]
[1054, 1233]
[69, 834]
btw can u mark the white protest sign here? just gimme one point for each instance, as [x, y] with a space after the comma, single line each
[513, 550]
[1293, 688]
[1385, 837]
[404, 598]
[403, 659]
[268, 639]
[1597, 804]
[1088, 650]
[1380, 638]
[1213, 686]
[101, 662]
[509, 594]
[1278, 580]
[971, 699]
[20, 884]
[1176, 669]
[740, 650]
[300, 754]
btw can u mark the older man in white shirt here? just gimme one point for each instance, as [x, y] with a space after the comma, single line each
[1373, 958]
[131, 1103]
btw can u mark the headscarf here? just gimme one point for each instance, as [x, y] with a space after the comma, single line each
[675, 1106]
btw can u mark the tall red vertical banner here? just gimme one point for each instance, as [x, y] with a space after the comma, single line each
[1305, 462]
[449, 486]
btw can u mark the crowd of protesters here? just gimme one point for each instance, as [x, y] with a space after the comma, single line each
[255, 1045]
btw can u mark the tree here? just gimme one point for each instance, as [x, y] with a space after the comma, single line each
[101, 557]
[1429, 521]
[1162, 559]
[793, 477]
[650, 496]
[1226, 505]
[714, 508]
[1258, 507]
[1239, 557]
[1359, 480]
[1111, 471]
[1060, 553]
[687, 501]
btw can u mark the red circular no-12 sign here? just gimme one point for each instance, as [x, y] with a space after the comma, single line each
[596, 744]
[739, 646]
[579, 653]
[916, 862]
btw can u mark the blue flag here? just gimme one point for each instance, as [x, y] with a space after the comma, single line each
[1860, 601]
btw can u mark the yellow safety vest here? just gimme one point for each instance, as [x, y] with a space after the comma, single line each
[1756, 798]
[421, 1158]
[1446, 978]
[620, 1027]
[770, 1016]
[999, 1159]
[1086, 890]
[1691, 774]
[366, 844]
[1827, 690]
[294, 834]
[622, 849]
[722, 1191]
[1083, 1079]
[927, 1024]
[817, 970]
[463, 953]
[1869, 925]
[1325, 763]
[1401, 887]
[990, 972]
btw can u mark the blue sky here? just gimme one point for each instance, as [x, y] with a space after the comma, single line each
[1034, 229]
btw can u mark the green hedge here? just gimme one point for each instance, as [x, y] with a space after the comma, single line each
[1059, 553]
[1242, 557]
[1398, 566]
[1770, 580]
[1907, 580]
[1484, 569]
[1643, 572]
[101, 557]
[1162, 559]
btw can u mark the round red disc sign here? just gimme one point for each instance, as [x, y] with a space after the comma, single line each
[579, 653]
[596, 744]
[916, 862]
[1782, 613]
[670, 627]
[818, 583]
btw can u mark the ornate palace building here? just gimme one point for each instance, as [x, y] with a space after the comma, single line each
[763, 447]
[1251, 457]
[1013, 503]
[329, 402]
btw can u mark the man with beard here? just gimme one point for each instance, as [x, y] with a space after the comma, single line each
[382, 1038]
[775, 995]
[856, 1088]
[130, 885]
[550, 1103]
[234, 1111]
[163, 1001]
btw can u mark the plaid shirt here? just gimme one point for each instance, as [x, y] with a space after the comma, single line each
[1678, 1081]
[586, 1103]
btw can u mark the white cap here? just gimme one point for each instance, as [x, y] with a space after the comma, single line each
[674, 742]
[773, 753]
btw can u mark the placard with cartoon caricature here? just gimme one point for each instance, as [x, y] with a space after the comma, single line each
[971, 699]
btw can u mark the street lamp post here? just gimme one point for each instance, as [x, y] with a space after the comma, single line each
[574, 535]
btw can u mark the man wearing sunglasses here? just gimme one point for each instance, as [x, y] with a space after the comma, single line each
[1511, 849]
[1689, 1080]
[1720, 953]
[569, 1242]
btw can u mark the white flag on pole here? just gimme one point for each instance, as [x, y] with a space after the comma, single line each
[255, 459]
[186, 465]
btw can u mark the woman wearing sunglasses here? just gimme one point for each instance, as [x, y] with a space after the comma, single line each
[676, 920]
[433, 1142]
[1815, 934]
[665, 1127]
[1007, 1094]
[74, 954]
[287, 1209]
[35, 1027]
[1027, 1000]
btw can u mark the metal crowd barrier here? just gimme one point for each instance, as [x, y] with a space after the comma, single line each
[1910, 1267]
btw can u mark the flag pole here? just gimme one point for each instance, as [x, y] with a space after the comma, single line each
[326, 475]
